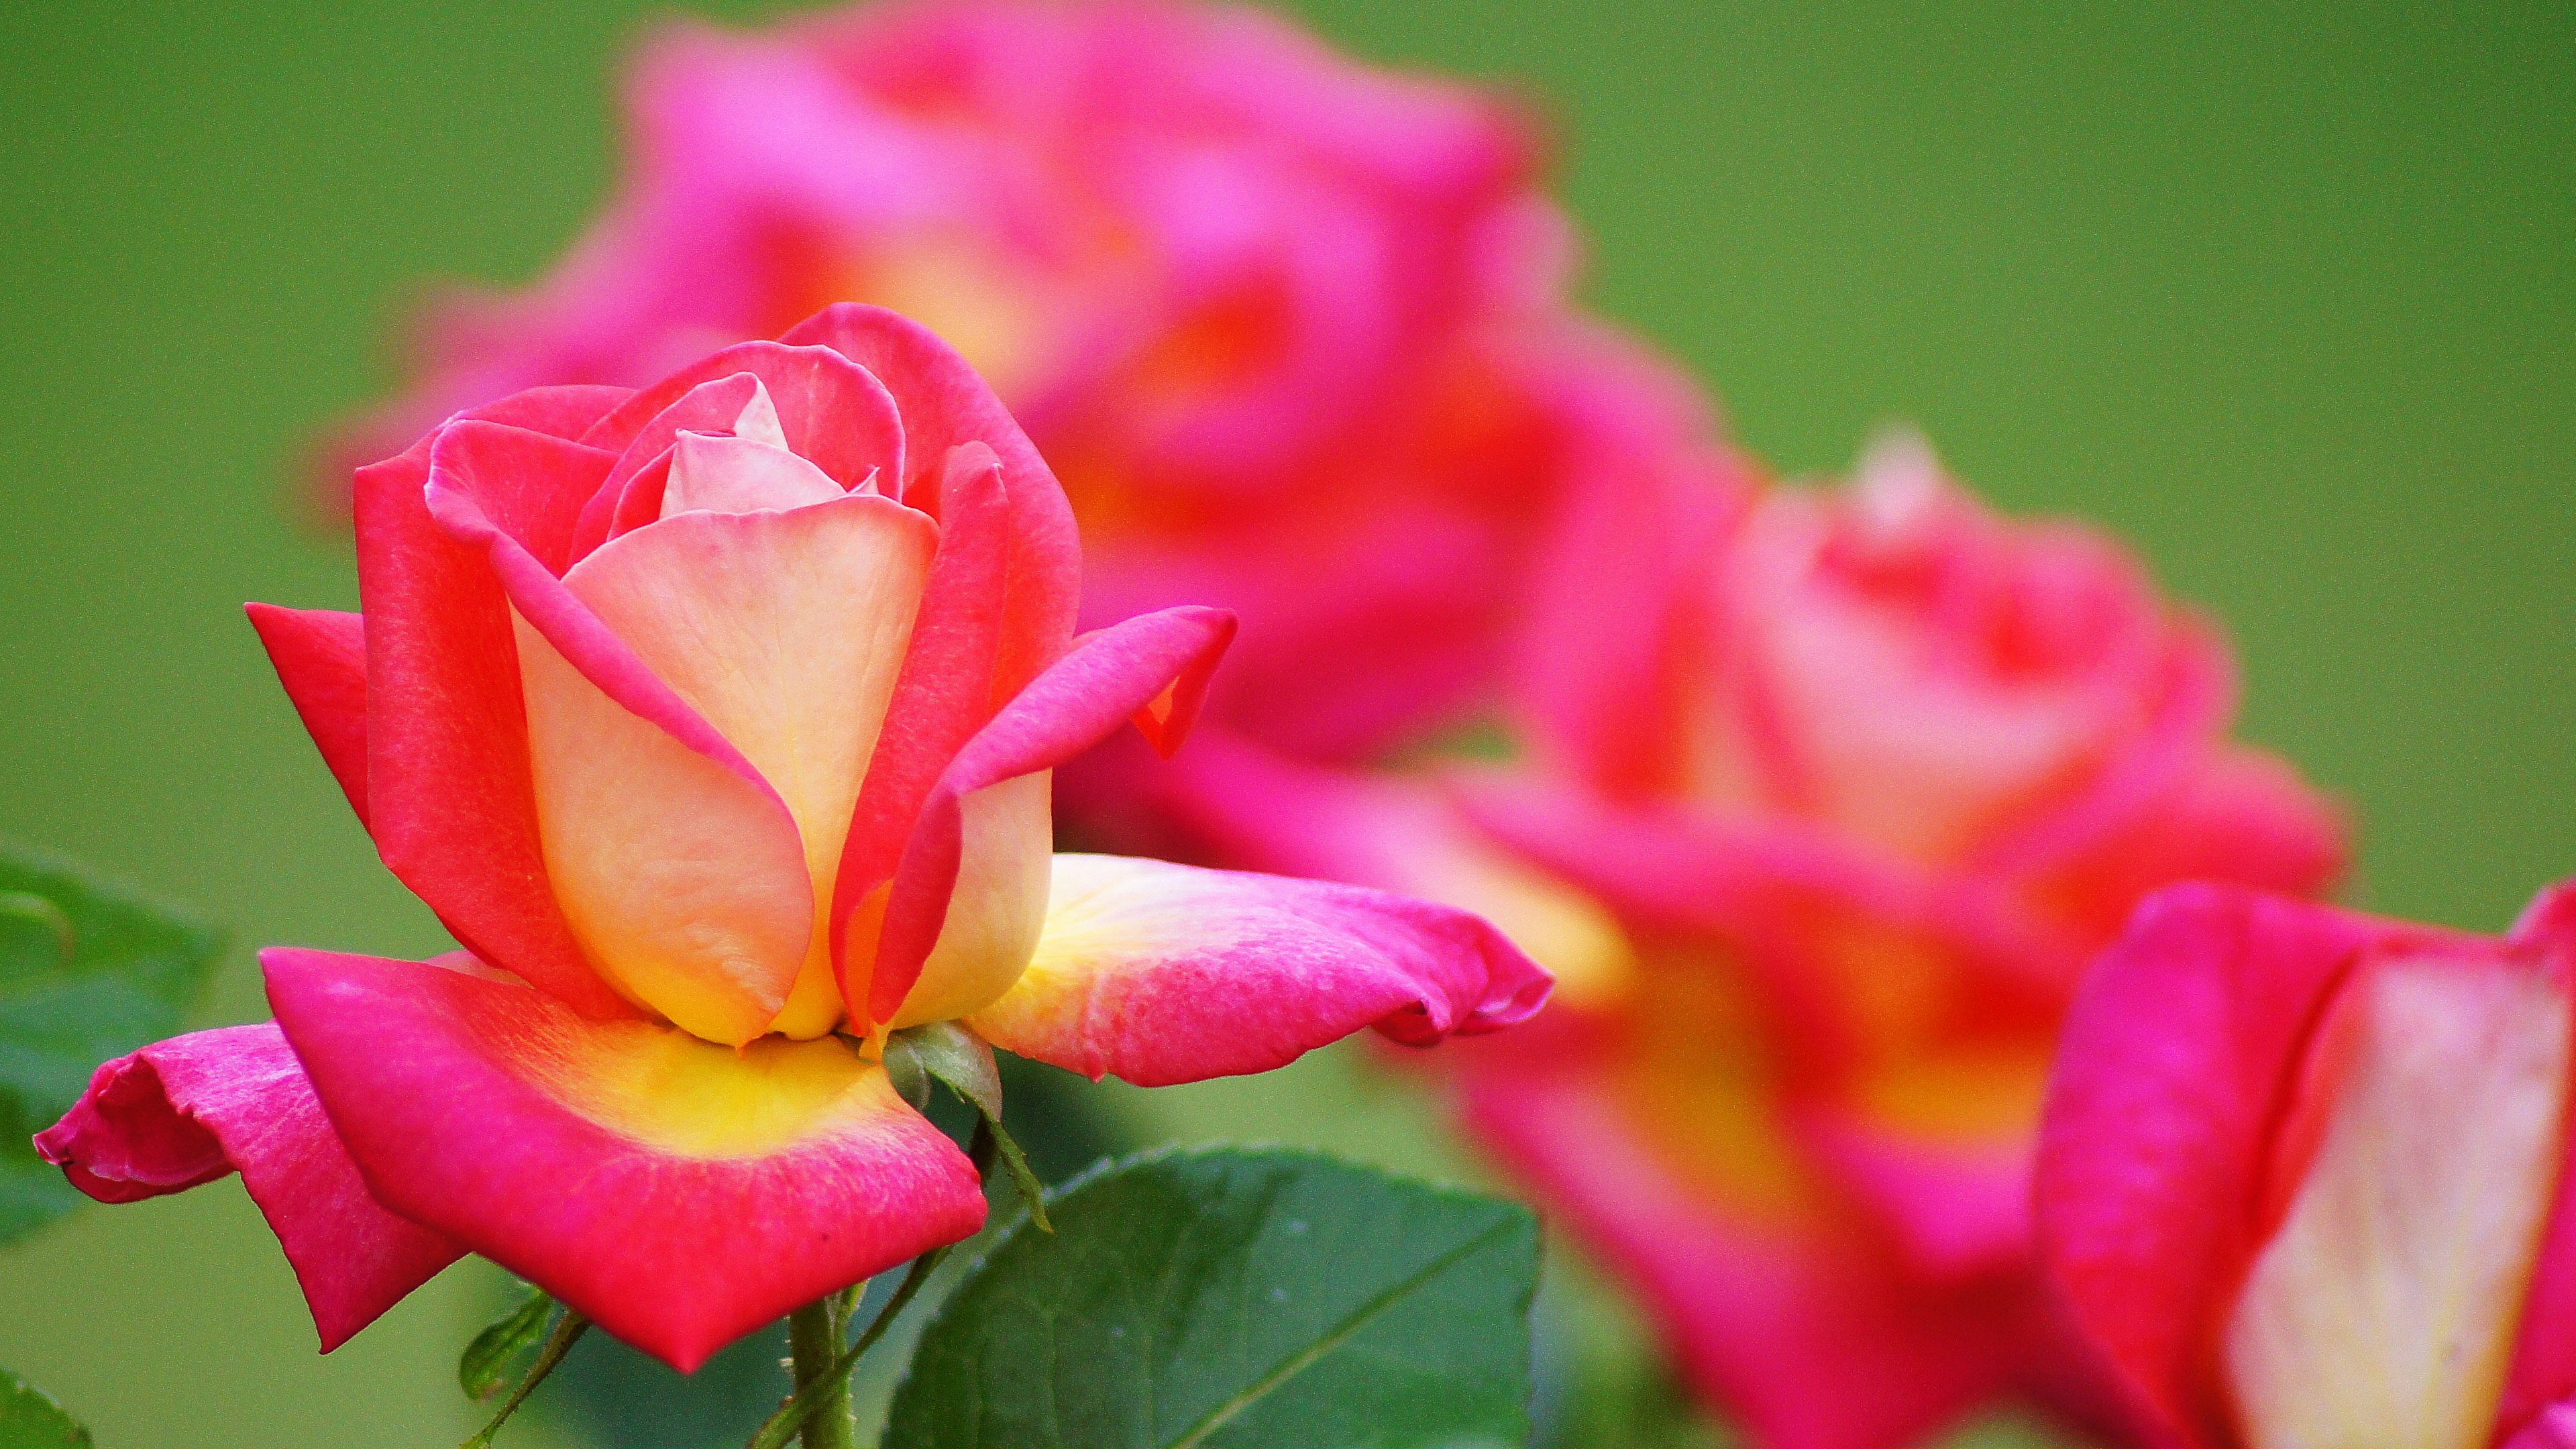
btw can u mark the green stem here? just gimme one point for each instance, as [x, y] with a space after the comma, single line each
[568, 1331]
[820, 1407]
[814, 1336]
[799, 1412]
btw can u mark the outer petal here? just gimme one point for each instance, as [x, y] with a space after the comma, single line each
[565, 412]
[1107, 679]
[942, 697]
[945, 404]
[1165, 973]
[2544, 1367]
[680, 1193]
[192, 1109]
[2177, 1060]
[448, 794]
[321, 657]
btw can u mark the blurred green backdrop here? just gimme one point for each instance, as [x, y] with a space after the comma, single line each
[2286, 294]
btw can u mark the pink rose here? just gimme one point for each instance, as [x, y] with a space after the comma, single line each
[1290, 330]
[1831, 797]
[2303, 1175]
[716, 720]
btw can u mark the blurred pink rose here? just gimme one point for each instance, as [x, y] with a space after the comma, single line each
[1292, 331]
[1831, 797]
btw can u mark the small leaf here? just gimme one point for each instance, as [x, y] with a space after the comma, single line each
[89, 970]
[30, 1419]
[485, 1365]
[1225, 1299]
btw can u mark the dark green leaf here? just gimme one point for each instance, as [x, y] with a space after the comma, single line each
[30, 1419]
[1226, 1299]
[485, 1366]
[88, 970]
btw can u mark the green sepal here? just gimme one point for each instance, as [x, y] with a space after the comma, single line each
[947, 1052]
[484, 1368]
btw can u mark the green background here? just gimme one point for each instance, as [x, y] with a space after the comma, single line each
[2284, 295]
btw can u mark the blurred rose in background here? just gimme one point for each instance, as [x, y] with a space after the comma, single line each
[1292, 331]
[1831, 797]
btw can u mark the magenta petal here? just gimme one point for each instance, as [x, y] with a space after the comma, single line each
[321, 657]
[553, 611]
[564, 412]
[449, 798]
[195, 1108]
[679, 1193]
[1160, 973]
[2544, 1363]
[1077, 702]
[945, 693]
[2553, 1428]
[2177, 1058]
[707, 408]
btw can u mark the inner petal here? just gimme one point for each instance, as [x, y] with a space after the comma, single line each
[785, 631]
[674, 872]
[998, 908]
[712, 473]
[2384, 1311]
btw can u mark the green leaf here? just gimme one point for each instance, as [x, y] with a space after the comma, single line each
[1225, 1299]
[89, 970]
[30, 1419]
[485, 1365]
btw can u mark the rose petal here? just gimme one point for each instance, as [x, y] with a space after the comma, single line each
[449, 798]
[321, 657]
[1163, 973]
[678, 1192]
[1101, 684]
[833, 411]
[187, 1111]
[783, 633]
[2178, 1057]
[945, 405]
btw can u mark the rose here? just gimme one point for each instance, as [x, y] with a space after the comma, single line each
[1831, 797]
[2303, 1175]
[715, 718]
[1291, 330]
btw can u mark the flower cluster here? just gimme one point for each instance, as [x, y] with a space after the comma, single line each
[1945, 1007]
